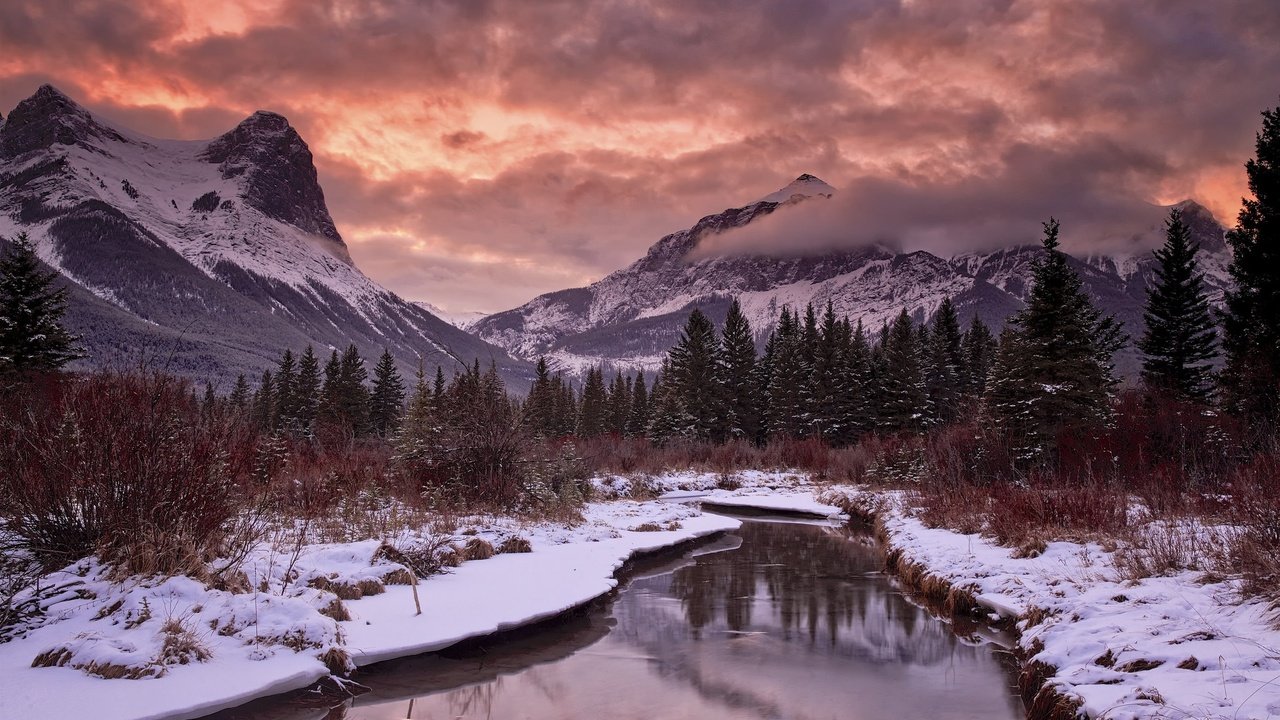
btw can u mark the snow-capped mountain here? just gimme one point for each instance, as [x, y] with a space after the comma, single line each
[210, 257]
[632, 316]
[463, 319]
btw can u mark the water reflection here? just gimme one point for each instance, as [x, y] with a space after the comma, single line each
[795, 622]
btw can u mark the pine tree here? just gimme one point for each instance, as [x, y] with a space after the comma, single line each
[855, 385]
[903, 405]
[1059, 376]
[1178, 345]
[668, 419]
[591, 416]
[618, 405]
[692, 377]
[788, 373]
[638, 417]
[736, 373]
[1251, 326]
[330, 410]
[386, 403]
[824, 382]
[306, 391]
[286, 406]
[264, 401]
[32, 337]
[540, 406]
[945, 366]
[979, 353]
[239, 397]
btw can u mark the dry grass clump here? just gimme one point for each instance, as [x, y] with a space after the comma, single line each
[477, 549]
[515, 544]
[348, 590]
[336, 610]
[647, 527]
[181, 645]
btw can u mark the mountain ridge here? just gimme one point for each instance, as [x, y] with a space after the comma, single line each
[214, 254]
[632, 315]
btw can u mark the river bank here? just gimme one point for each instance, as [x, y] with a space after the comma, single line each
[1092, 640]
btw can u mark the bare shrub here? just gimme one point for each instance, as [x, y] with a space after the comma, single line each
[127, 465]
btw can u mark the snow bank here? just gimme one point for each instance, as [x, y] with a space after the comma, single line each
[255, 644]
[1176, 646]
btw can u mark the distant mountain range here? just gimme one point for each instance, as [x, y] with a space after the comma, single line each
[631, 317]
[205, 257]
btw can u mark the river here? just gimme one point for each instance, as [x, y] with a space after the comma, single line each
[780, 619]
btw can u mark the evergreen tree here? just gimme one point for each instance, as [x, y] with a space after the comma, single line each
[668, 418]
[1060, 374]
[788, 375]
[330, 410]
[979, 353]
[437, 386]
[264, 402]
[1178, 345]
[540, 407]
[206, 405]
[240, 393]
[306, 391]
[286, 406]
[386, 403]
[736, 373]
[31, 308]
[591, 415]
[693, 378]
[825, 390]
[618, 405]
[903, 404]
[945, 365]
[855, 401]
[1251, 327]
[638, 418]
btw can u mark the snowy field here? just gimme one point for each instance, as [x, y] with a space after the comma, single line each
[1169, 647]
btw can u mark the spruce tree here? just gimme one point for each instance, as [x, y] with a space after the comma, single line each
[330, 410]
[903, 404]
[692, 377]
[1178, 344]
[306, 391]
[638, 417]
[592, 413]
[945, 366]
[618, 404]
[286, 406]
[824, 382]
[668, 419]
[239, 397]
[32, 337]
[1060, 376]
[979, 353]
[788, 370]
[540, 406]
[1251, 326]
[386, 403]
[856, 390]
[737, 376]
[353, 395]
[264, 402]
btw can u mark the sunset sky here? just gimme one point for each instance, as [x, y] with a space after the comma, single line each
[476, 153]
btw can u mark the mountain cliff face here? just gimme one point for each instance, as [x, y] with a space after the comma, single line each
[206, 257]
[632, 316]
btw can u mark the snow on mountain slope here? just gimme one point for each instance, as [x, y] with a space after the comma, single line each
[464, 319]
[227, 242]
[630, 317]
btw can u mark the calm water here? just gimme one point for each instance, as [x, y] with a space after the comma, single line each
[778, 620]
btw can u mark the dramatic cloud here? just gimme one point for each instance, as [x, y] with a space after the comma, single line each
[478, 152]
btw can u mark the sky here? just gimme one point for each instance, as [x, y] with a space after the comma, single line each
[476, 153]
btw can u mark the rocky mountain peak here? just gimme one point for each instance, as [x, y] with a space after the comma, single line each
[280, 174]
[49, 118]
[805, 186]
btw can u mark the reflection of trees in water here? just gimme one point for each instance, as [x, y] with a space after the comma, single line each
[815, 587]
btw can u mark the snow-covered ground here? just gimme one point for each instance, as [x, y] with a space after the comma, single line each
[198, 650]
[1177, 646]
[1171, 647]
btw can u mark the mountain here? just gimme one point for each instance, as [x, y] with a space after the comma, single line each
[463, 319]
[208, 258]
[632, 316]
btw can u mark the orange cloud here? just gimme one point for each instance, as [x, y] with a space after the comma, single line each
[566, 136]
